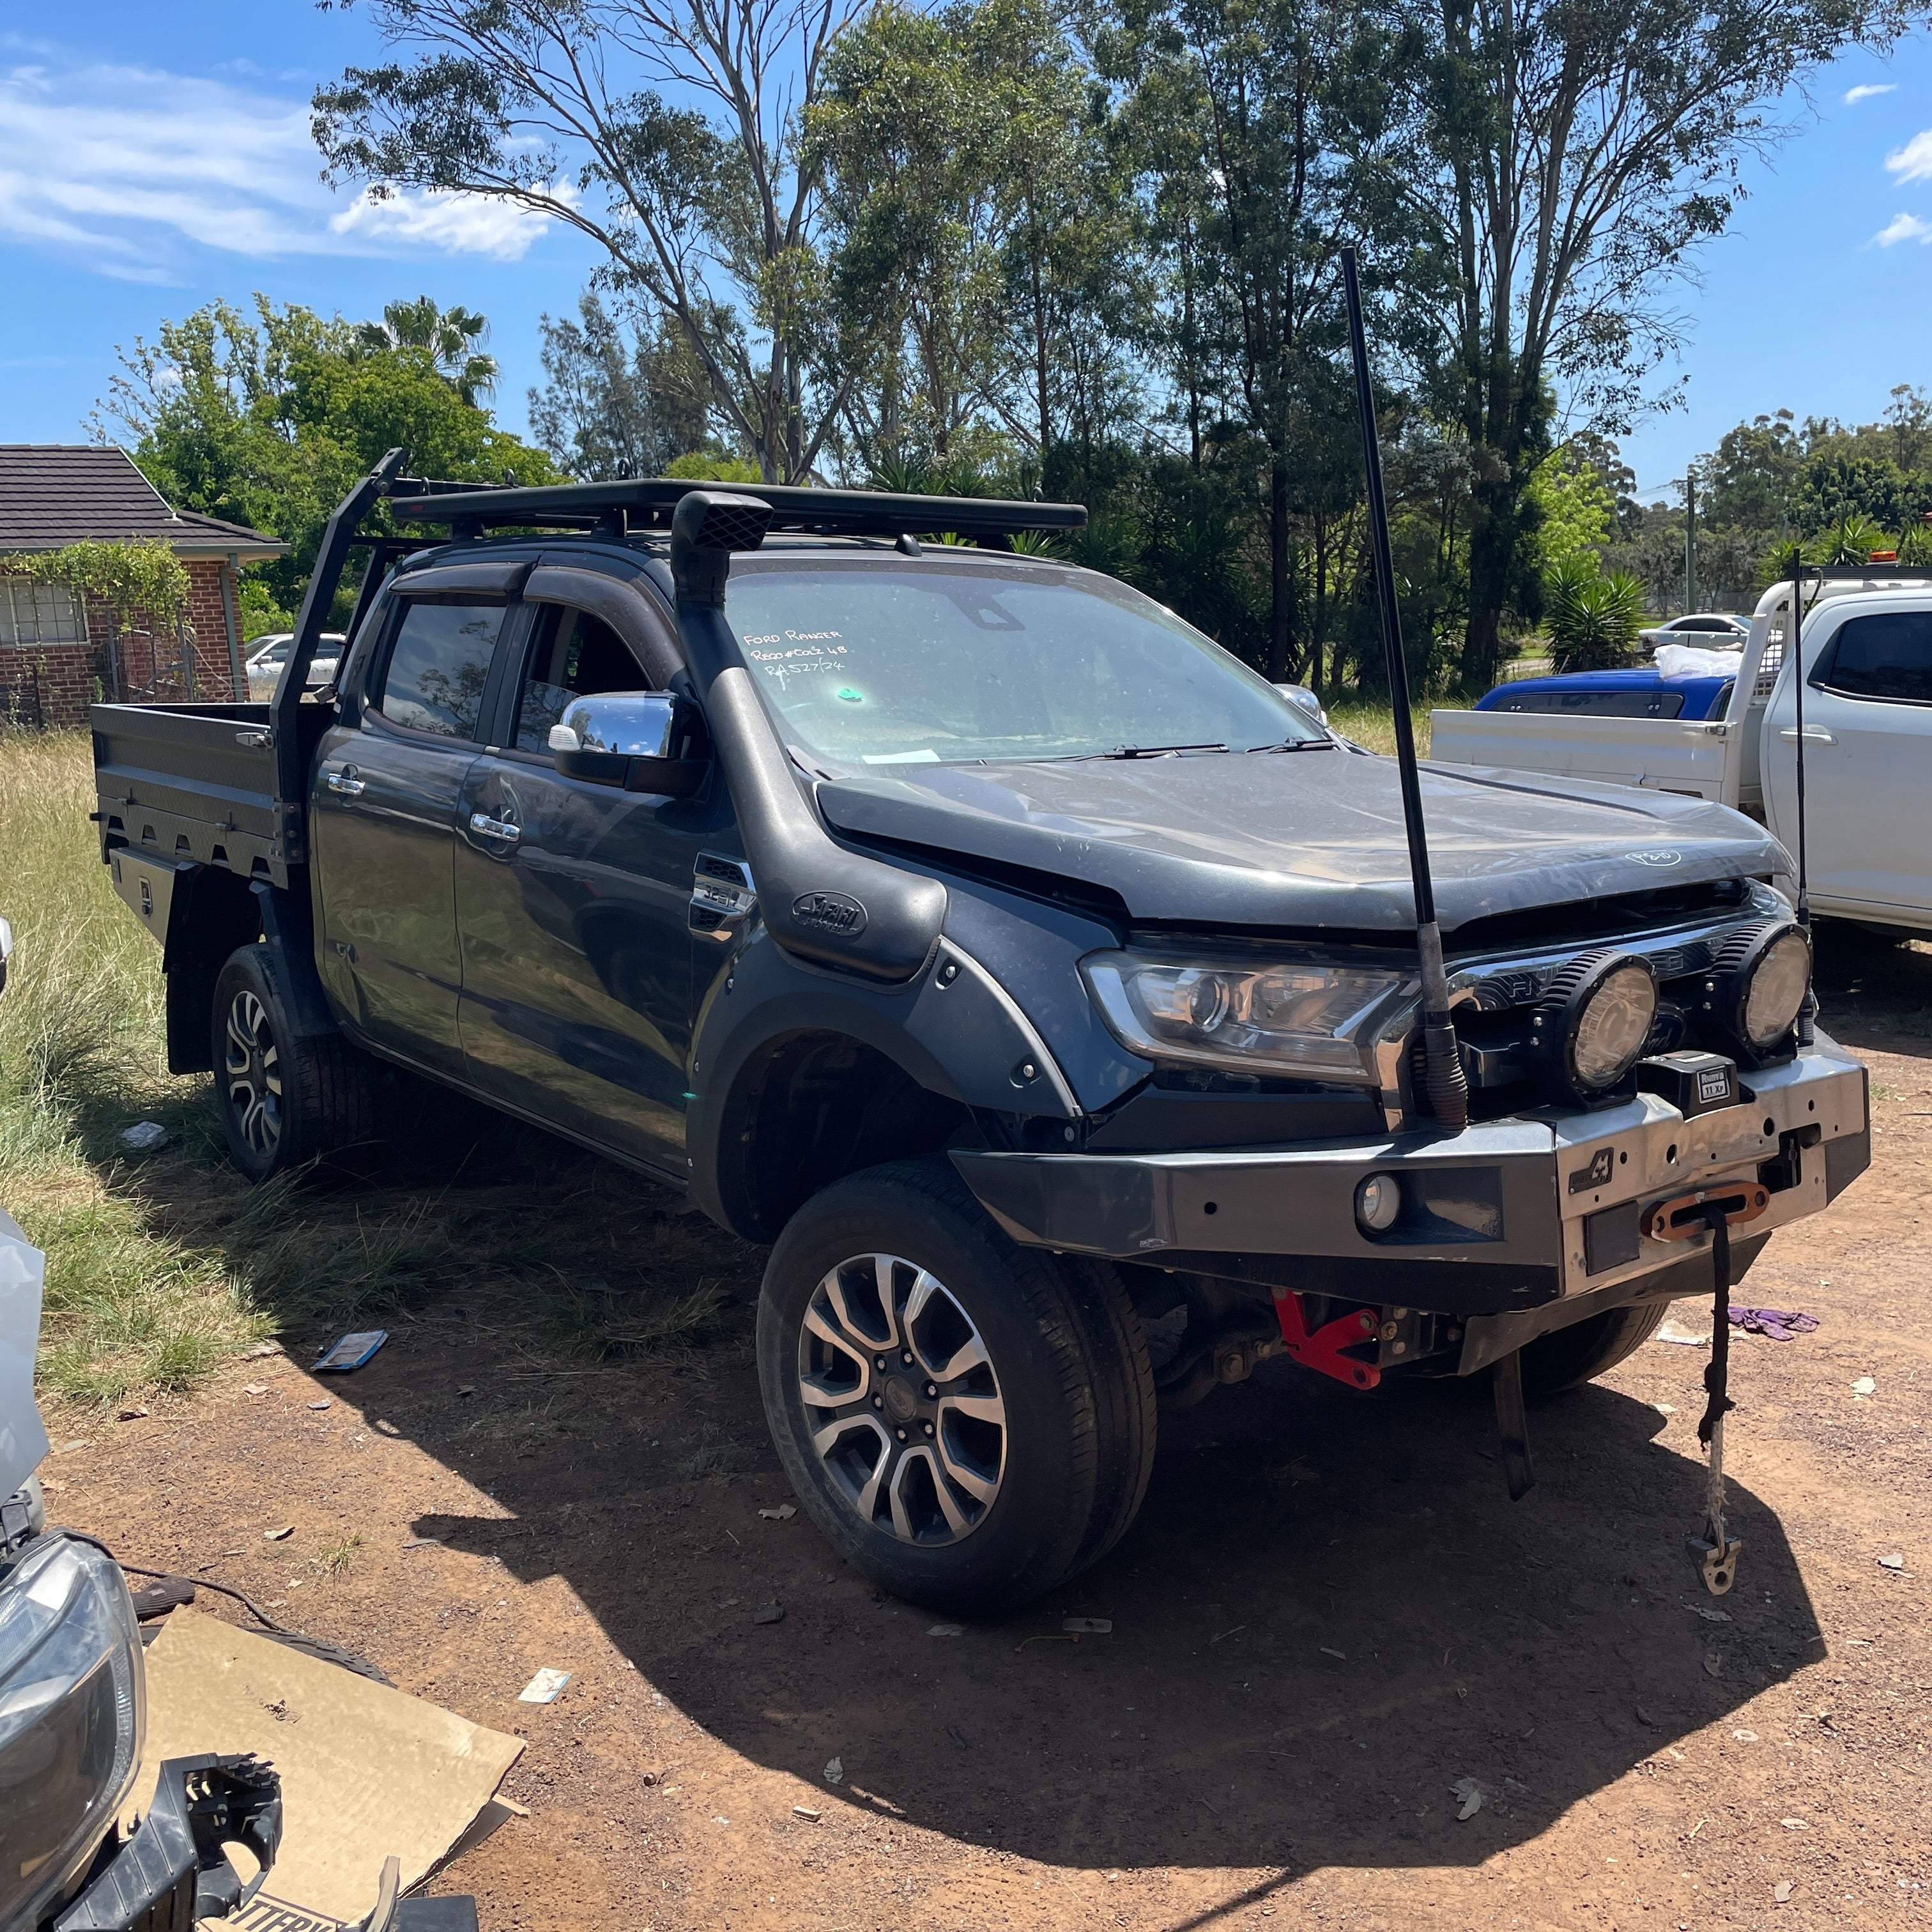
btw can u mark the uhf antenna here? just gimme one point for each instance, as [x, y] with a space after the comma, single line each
[1447, 1088]
[1795, 631]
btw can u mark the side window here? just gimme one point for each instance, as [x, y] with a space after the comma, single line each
[438, 667]
[572, 654]
[1887, 656]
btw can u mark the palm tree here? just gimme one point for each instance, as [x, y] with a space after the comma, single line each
[454, 337]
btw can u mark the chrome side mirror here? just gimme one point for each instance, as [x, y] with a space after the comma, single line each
[649, 741]
[1301, 694]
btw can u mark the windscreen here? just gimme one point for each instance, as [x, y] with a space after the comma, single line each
[872, 663]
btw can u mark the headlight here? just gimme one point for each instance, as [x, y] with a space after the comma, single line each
[72, 1712]
[1309, 1020]
[1756, 989]
[1592, 1023]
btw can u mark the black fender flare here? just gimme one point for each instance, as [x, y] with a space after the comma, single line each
[953, 1031]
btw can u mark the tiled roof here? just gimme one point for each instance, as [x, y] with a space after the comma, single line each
[55, 494]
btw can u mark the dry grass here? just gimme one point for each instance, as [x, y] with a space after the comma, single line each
[160, 1266]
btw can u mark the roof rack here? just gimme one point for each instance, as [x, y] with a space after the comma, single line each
[617, 509]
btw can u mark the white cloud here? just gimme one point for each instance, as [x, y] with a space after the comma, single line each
[1853, 95]
[1904, 228]
[463, 224]
[1912, 162]
[122, 165]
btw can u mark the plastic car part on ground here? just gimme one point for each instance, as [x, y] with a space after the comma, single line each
[23, 1439]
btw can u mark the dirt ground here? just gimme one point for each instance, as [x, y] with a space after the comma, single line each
[1328, 1613]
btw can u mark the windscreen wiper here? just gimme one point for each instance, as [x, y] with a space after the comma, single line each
[1145, 752]
[1297, 745]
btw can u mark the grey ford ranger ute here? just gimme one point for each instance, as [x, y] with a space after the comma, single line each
[1029, 974]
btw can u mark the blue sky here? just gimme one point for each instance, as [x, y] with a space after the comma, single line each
[153, 157]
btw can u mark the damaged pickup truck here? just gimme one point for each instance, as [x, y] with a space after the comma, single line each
[1030, 975]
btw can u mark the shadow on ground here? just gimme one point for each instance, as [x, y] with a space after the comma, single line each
[1328, 1613]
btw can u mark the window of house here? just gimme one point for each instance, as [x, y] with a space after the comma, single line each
[39, 613]
[1887, 656]
[438, 667]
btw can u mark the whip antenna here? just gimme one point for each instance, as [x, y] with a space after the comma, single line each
[1447, 1088]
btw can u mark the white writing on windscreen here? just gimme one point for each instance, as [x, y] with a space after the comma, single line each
[803, 652]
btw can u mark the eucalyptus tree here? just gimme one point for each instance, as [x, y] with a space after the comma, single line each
[1276, 131]
[1581, 151]
[667, 132]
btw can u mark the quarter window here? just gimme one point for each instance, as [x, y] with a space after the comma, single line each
[1887, 656]
[39, 613]
[438, 667]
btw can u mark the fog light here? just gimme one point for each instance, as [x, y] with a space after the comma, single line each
[1378, 1201]
[1756, 990]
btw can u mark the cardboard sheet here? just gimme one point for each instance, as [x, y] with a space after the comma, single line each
[366, 1771]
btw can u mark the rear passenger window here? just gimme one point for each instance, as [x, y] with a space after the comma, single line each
[1887, 656]
[438, 667]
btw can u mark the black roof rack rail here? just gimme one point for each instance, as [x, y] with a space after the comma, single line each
[646, 503]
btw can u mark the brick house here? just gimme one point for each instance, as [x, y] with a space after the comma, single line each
[56, 658]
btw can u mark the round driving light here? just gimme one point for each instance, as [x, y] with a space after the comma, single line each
[1756, 989]
[1378, 1201]
[1613, 1025]
[1592, 1022]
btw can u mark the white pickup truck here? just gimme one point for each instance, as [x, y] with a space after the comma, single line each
[1868, 650]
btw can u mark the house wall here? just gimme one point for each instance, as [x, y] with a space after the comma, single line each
[47, 685]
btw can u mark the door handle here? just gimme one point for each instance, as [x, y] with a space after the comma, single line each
[1812, 735]
[504, 829]
[347, 783]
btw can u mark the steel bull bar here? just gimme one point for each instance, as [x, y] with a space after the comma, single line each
[1515, 1226]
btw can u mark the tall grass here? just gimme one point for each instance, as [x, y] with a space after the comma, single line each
[160, 1265]
[128, 1304]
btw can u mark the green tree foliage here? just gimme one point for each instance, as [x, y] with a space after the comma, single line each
[1593, 618]
[1580, 154]
[614, 403]
[1576, 513]
[269, 422]
[454, 337]
[665, 130]
[1271, 132]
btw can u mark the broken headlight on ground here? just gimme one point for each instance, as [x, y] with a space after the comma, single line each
[72, 1713]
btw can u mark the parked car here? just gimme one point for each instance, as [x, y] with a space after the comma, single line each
[1715, 630]
[1023, 969]
[264, 667]
[1642, 692]
[1868, 639]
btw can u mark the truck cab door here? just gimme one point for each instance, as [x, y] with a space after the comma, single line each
[1867, 763]
[386, 787]
[573, 900]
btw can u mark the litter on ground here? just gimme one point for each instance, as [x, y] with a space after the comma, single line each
[1685, 1338]
[1469, 1795]
[783, 1513]
[1864, 1385]
[835, 1770]
[143, 1135]
[351, 1351]
[1780, 1324]
[544, 1687]
[1088, 1626]
[769, 1613]
[947, 1630]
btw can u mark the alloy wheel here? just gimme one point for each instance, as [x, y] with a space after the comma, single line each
[252, 1065]
[901, 1401]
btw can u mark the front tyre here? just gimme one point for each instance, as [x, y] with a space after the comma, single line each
[285, 1100]
[1566, 1358]
[968, 1421]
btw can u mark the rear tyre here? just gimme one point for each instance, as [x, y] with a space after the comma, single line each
[967, 1421]
[1571, 1357]
[285, 1101]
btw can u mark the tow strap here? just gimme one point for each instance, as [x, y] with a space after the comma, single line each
[1716, 1553]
